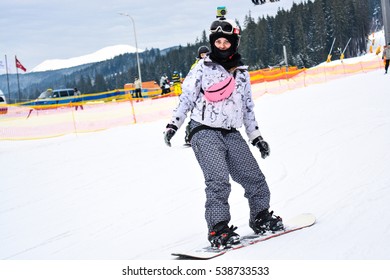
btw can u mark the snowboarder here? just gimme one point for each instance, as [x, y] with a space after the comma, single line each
[218, 94]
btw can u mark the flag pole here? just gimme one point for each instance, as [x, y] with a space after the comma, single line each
[6, 69]
[17, 75]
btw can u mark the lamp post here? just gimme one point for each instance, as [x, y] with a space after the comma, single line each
[136, 44]
[386, 19]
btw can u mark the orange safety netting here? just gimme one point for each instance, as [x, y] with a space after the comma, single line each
[274, 74]
[19, 122]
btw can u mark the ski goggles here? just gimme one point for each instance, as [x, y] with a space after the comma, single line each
[225, 27]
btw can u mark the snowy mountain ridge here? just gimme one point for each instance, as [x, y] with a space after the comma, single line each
[100, 55]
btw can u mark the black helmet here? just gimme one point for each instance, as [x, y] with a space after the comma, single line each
[203, 49]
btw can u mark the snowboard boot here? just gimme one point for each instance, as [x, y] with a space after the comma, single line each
[222, 236]
[266, 221]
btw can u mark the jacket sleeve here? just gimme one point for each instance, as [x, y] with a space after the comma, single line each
[191, 90]
[249, 118]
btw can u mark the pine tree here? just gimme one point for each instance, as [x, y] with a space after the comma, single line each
[248, 43]
[318, 50]
[100, 83]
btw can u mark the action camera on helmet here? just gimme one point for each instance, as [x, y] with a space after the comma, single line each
[221, 12]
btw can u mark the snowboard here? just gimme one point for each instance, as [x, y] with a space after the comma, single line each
[296, 223]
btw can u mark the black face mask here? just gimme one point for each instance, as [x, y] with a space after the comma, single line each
[222, 55]
[228, 58]
[229, 63]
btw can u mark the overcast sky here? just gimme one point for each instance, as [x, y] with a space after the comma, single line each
[37, 30]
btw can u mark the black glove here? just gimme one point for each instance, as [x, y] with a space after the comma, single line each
[262, 146]
[169, 132]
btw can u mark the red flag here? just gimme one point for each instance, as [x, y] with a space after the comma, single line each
[19, 65]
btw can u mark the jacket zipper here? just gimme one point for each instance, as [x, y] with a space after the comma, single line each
[203, 110]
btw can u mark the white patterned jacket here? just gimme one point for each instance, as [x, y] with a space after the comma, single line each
[233, 112]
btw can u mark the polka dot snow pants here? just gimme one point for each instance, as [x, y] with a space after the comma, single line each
[222, 154]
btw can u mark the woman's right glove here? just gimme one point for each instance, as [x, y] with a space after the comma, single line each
[262, 146]
[169, 132]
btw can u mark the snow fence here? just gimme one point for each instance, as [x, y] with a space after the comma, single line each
[19, 122]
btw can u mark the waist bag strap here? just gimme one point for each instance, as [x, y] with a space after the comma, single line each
[202, 127]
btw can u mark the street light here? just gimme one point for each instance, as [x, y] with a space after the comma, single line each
[136, 45]
[386, 19]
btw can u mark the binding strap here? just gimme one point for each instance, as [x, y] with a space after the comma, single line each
[203, 127]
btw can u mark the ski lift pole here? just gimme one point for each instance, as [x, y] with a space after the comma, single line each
[342, 54]
[331, 48]
[285, 61]
[285, 58]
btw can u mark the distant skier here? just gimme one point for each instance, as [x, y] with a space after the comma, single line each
[78, 93]
[137, 88]
[202, 52]
[218, 94]
[386, 56]
[164, 84]
[176, 83]
[261, 2]
[258, 2]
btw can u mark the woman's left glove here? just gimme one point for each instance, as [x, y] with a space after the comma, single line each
[169, 132]
[262, 146]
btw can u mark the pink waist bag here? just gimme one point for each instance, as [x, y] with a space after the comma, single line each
[221, 90]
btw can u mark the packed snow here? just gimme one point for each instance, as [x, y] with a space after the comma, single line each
[100, 55]
[123, 194]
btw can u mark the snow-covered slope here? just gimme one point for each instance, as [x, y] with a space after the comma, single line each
[100, 55]
[122, 194]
